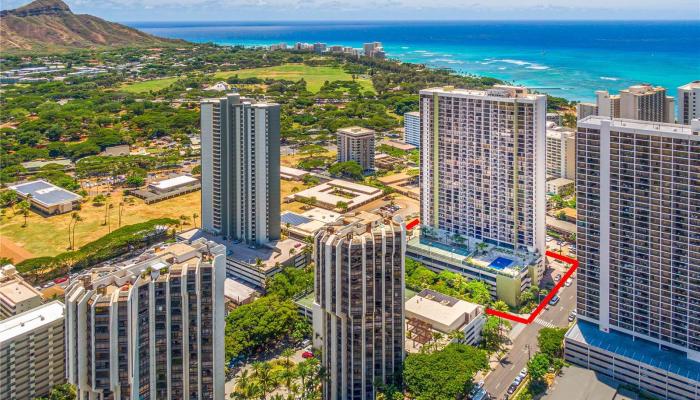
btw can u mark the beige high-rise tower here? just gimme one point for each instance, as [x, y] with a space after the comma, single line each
[640, 102]
[358, 313]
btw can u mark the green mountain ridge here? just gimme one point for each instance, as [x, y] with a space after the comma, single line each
[50, 25]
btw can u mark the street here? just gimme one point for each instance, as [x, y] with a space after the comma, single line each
[524, 337]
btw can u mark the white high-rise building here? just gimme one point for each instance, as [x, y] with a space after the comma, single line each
[640, 102]
[561, 152]
[241, 169]
[411, 124]
[32, 352]
[688, 102]
[358, 311]
[356, 144]
[151, 327]
[638, 241]
[483, 166]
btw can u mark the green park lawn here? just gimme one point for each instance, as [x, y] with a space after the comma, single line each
[314, 76]
[147, 86]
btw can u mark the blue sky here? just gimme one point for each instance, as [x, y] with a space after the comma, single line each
[255, 10]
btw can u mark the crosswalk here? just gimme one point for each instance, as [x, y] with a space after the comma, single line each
[544, 323]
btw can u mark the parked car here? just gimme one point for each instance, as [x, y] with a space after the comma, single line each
[511, 389]
[572, 317]
[568, 282]
[554, 301]
[557, 278]
[307, 354]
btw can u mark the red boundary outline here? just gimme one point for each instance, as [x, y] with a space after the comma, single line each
[543, 303]
[412, 224]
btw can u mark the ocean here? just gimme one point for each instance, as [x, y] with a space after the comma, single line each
[570, 59]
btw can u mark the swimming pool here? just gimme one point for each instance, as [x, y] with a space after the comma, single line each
[501, 263]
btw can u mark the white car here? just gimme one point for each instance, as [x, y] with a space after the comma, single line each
[568, 282]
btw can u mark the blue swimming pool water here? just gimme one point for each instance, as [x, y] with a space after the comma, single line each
[501, 263]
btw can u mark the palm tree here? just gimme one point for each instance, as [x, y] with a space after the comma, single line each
[109, 220]
[288, 373]
[309, 246]
[24, 210]
[481, 247]
[194, 219]
[120, 211]
[262, 371]
[106, 211]
[259, 264]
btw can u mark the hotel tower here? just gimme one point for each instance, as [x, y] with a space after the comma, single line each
[483, 165]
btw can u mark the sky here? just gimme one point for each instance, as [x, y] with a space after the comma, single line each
[262, 10]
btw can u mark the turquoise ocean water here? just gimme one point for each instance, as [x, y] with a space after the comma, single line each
[568, 59]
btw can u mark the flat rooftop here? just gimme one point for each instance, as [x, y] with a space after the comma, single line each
[628, 125]
[576, 383]
[498, 92]
[640, 350]
[356, 131]
[278, 251]
[45, 193]
[20, 324]
[173, 182]
[238, 291]
[440, 309]
[330, 193]
[16, 291]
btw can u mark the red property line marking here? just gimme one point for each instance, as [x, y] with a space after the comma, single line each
[543, 303]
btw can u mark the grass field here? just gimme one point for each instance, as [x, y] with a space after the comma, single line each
[49, 236]
[147, 86]
[314, 76]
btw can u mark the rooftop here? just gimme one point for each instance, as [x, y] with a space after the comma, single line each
[560, 182]
[45, 193]
[16, 291]
[564, 226]
[173, 182]
[278, 251]
[691, 85]
[498, 92]
[20, 324]
[639, 350]
[440, 310]
[332, 192]
[633, 125]
[238, 291]
[357, 131]
[38, 164]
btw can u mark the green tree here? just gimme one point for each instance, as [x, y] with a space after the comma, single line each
[537, 367]
[347, 169]
[64, 391]
[551, 342]
[444, 374]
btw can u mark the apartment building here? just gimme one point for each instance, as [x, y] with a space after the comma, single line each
[241, 169]
[561, 152]
[16, 295]
[358, 310]
[638, 240]
[411, 124]
[641, 102]
[484, 166]
[32, 352]
[374, 50]
[150, 327]
[689, 102]
[356, 144]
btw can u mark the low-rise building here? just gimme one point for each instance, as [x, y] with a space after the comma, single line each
[663, 372]
[237, 293]
[16, 295]
[47, 198]
[306, 224]
[118, 150]
[329, 194]
[253, 265]
[32, 352]
[430, 311]
[561, 186]
[167, 189]
[292, 174]
[505, 272]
